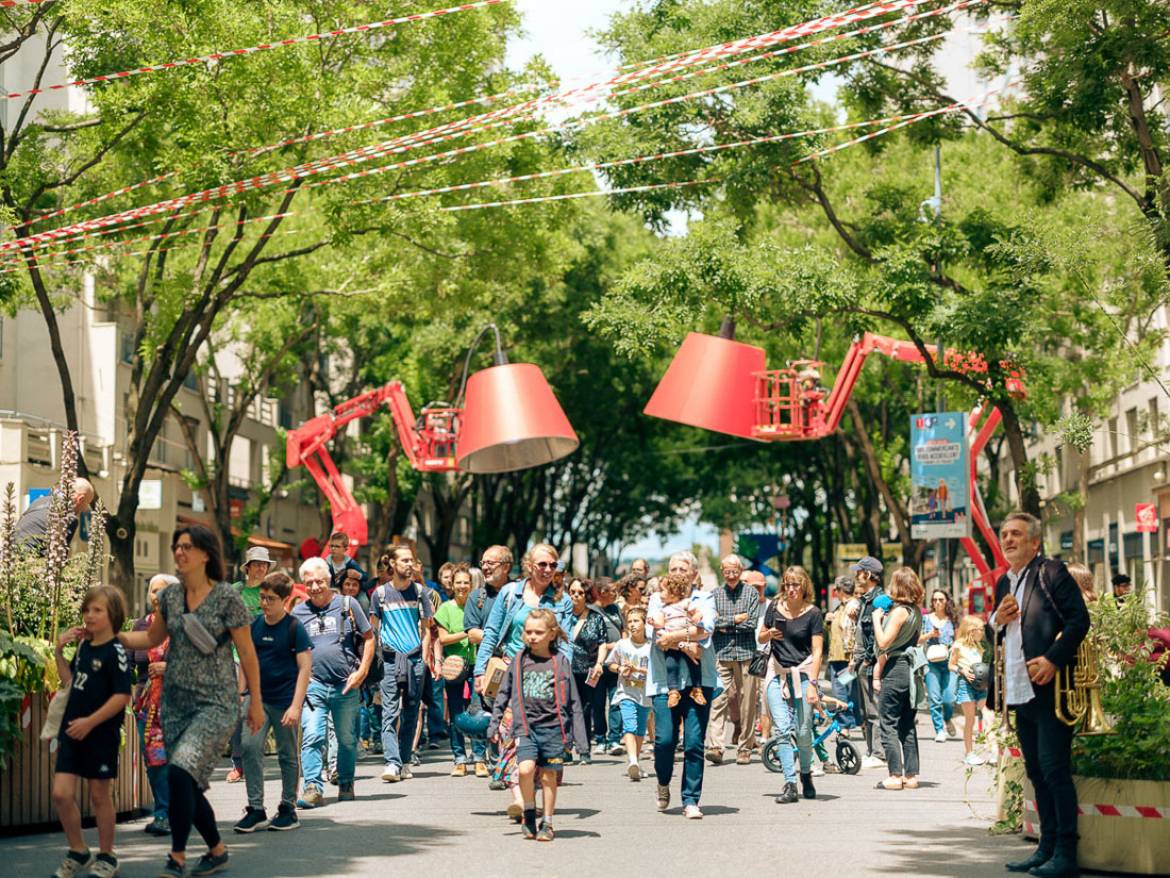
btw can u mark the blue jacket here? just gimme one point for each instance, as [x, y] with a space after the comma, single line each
[499, 624]
[569, 710]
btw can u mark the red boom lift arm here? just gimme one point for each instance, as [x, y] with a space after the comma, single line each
[428, 440]
[791, 406]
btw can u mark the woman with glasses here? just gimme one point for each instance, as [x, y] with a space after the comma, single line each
[504, 628]
[587, 633]
[938, 633]
[203, 616]
[794, 628]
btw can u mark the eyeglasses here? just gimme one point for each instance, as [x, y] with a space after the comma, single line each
[484, 563]
[269, 599]
[182, 547]
[545, 565]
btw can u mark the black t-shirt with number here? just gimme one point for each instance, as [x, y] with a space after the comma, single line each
[99, 672]
[798, 634]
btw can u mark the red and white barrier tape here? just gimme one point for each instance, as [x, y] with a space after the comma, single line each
[8, 4]
[262, 180]
[251, 50]
[160, 236]
[1087, 809]
[571, 195]
[909, 120]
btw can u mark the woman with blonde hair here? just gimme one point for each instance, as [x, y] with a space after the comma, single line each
[895, 634]
[1083, 577]
[794, 629]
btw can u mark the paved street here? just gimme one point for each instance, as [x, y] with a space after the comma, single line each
[428, 825]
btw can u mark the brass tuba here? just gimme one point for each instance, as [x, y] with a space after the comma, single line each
[1000, 670]
[1078, 692]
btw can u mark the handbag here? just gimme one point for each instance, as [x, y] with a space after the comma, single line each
[758, 667]
[455, 669]
[936, 652]
[55, 714]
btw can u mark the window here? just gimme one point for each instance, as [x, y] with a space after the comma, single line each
[240, 462]
[1155, 418]
[1058, 472]
[1113, 438]
[1134, 438]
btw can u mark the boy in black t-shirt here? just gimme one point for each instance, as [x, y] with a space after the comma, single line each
[91, 728]
[282, 650]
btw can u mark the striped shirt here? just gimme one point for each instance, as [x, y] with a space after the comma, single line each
[735, 641]
[398, 613]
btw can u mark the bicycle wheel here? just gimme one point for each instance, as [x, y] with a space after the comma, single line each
[848, 759]
[770, 756]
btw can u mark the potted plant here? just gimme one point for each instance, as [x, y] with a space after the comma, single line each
[1123, 778]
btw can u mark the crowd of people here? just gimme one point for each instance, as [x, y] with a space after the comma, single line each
[518, 675]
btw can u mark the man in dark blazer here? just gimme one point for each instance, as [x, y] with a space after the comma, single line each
[1040, 620]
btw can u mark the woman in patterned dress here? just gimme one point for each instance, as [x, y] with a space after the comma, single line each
[200, 698]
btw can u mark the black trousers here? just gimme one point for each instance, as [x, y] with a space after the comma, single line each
[868, 710]
[897, 717]
[1046, 743]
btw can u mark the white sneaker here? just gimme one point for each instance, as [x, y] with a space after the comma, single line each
[598, 749]
[872, 762]
[818, 770]
[392, 774]
[974, 758]
[692, 812]
[75, 864]
[616, 750]
[940, 738]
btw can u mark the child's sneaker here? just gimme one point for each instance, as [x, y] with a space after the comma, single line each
[75, 863]
[105, 866]
[172, 869]
[546, 832]
[253, 819]
[285, 819]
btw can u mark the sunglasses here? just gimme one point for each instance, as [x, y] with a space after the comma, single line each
[545, 565]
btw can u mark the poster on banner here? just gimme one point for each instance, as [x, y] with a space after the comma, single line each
[941, 491]
[1147, 518]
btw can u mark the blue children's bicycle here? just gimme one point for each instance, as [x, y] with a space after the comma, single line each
[848, 759]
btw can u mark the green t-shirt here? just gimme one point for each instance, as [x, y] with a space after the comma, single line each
[250, 597]
[450, 617]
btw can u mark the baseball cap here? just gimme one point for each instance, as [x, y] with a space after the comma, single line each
[257, 553]
[869, 564]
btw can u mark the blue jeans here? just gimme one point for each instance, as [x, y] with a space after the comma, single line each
[400, 712]
[791, 715]
[436, 715]
[940, 692]
[694, 721]
[455, 704]
[322, 701]
[850, 693]
[156, 776]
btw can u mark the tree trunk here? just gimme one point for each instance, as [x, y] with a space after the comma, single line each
[122, 552]
[1025, 481]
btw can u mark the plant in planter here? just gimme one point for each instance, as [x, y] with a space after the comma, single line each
[1132, 695]
[41, 594]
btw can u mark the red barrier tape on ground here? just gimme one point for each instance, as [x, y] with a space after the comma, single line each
[251, 50]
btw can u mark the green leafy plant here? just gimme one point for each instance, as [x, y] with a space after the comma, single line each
[1133, 696]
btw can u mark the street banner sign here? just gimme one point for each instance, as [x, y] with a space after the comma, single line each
[941, 492]
[1147, 518]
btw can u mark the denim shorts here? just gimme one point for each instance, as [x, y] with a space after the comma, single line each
[965, 692]
[633, 718]
[543, 745]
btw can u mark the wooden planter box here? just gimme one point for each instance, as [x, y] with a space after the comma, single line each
[26, 783]
[1130, 833]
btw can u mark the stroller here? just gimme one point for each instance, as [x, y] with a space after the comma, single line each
[847, 757]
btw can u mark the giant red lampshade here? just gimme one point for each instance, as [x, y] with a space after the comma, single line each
[710, 384]
[511, 420]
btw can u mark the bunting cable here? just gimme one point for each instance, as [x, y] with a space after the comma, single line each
[252, 50]
[487, 99]
[571, 195]
[815, 26]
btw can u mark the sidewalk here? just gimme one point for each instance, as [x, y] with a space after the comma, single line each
[433, 823]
